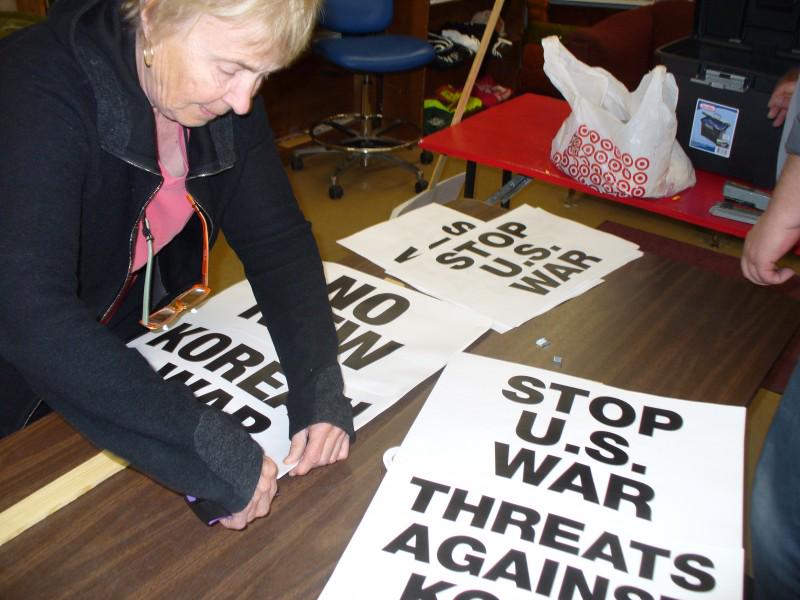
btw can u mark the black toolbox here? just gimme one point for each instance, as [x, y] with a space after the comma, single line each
[726, 73]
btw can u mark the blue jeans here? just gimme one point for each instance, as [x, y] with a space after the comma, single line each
[775, 510]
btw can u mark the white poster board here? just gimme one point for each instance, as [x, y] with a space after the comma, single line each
[515, 481]
[402, 239]
[391, 339]
[510, 269]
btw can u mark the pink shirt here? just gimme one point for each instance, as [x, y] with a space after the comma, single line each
[168, 210]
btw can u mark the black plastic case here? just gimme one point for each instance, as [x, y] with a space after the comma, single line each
[726, 73]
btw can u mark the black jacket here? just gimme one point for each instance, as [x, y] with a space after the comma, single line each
[77, 167]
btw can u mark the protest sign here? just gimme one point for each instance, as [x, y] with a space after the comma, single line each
[517, 266]
[402, 239]
[515, 481]
[390, 339]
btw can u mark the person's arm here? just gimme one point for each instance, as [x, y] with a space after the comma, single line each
[777, 231]
[266, 229]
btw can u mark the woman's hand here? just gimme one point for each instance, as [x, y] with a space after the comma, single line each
[318, 445]
[266, 488]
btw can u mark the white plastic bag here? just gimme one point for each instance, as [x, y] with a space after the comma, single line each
[614, 141]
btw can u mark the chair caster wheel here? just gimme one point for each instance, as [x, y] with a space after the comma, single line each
[420, 186]
[297, 163]
[426, 157]
[335, 192]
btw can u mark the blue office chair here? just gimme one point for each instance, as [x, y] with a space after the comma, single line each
[364, 49]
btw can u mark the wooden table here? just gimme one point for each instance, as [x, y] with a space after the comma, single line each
[655, 326]
[515, 136]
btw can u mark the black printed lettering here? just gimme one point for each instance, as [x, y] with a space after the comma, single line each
[577, 478]
[472, 246]
[509, 269]
[524, 431]
[368, 311]
[557, 528]
[536, 283]
[547, 577]
[239, 359]
[636, 492]
[251, 312]
[647, 565]
[525, 460]
[507, 516]
[532, 252]
[610, 442]
[512, 566]
[458, 227]
[406, 254]
[659, 418]
[426, 491]
[607, 547]
[513, 228]
[265, 375]
[475, 595]
[597, 408]
[578, 258]
[414, 540]
[692, 565]
[216, 398]
[342, 295]
[472, 564]
[458, 504]
[172, 338]
[362, 354]
[454, 261]
[567, 396]
[523, 389]
[575, 581]
[252, 420]
[628, 592]
[414, 589]
[205, 347]
[495, 239]
[183, 376]
[560, 271]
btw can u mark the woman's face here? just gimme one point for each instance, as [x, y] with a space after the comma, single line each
[202, 71]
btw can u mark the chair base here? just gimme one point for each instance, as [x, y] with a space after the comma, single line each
[360, 138]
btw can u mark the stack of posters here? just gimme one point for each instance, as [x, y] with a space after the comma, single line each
[510, 269]
[390, 339]
[517, 482]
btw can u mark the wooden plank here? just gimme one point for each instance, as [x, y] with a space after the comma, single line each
[57, 494]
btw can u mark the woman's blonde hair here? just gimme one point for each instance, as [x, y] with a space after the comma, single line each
[286, 25]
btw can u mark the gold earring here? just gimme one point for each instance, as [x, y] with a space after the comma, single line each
[148, 54]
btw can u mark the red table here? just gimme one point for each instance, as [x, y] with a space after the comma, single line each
[515, 136]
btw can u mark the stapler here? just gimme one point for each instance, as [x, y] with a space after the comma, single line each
[741, 203]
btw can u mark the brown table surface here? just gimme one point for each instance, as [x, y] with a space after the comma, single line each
[654, 326]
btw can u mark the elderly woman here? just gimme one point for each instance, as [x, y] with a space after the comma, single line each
[129, 128]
